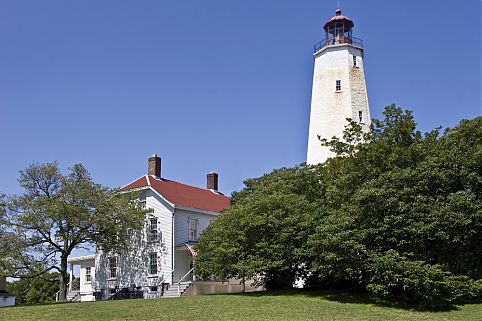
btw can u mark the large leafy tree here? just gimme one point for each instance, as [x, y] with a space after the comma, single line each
[404, 200]
[264, 232]
[59, 213]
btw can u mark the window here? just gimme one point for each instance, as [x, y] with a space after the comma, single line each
[338, 85]
[142, 200]
[88, 276]
[112, 267]
[152, 232]
[192, 229]
[129, 234]
[360, 116]
[354, 61]
[153, 263]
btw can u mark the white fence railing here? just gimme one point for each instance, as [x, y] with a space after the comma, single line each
[179, 282]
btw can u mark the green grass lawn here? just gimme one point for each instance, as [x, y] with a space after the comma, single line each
[277, 306]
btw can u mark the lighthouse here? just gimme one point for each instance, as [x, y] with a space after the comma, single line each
[339, 90]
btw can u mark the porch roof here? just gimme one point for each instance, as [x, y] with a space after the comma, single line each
[80, 258]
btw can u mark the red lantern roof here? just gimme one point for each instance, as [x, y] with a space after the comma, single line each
[338, 17]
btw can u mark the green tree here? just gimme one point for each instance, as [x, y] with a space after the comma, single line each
[418, 195]
[12, 244]
[263, 234]
[59, 213]
[39, 289]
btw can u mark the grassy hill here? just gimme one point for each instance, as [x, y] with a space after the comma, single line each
[274, 306]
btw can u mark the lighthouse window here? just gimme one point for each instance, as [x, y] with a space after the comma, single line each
[360, 116]
[338, 85]
[354, 61]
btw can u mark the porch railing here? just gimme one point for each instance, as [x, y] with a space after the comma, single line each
[75, 288]
[179, 282]
[164, 278]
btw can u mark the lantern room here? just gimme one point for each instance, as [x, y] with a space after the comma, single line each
[339, 30]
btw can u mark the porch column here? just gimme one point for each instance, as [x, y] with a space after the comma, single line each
[71, 277]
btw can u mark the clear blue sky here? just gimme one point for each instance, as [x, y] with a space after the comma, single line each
[211, 85]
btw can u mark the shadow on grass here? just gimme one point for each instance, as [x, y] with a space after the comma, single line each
[347, 297]
[24, 305]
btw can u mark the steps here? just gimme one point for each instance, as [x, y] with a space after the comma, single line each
[173, 293]
[71, 296]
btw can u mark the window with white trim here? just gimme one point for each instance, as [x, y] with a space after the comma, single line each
[192, 229]
[338, 85]
[112, 267]
[153, 263]
[88, 275]
[152, 234]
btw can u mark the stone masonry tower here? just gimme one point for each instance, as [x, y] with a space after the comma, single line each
[339, 90]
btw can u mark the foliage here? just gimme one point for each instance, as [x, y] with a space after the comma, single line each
[416, 199]
[40, 289]
[12, 245]
[59, 213]
[413, 282]
[396, 212]
[264, 233]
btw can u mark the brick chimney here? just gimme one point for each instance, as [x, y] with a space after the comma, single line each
[212, 181]
[154, 166]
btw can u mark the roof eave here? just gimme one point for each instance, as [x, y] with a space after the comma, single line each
[199, 210]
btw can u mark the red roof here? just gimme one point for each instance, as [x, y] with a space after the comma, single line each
[339, 17]
[182, 194]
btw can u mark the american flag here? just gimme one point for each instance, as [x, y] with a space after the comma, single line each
[191, 250]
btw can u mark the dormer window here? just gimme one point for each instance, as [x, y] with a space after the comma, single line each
[338, 85]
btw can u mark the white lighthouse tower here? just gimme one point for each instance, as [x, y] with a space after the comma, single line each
[339, 90]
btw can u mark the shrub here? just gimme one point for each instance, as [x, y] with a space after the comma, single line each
[413, 282]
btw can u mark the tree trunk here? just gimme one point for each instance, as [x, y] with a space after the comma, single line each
[64, 277]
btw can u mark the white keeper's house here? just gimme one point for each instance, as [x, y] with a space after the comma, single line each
[160, 262]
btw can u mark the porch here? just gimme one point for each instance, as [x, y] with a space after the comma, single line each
[81, 288]
[184, 263]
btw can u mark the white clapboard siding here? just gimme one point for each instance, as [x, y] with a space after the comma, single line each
[181, 226]
[133, 264]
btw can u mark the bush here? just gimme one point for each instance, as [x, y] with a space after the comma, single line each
[468, 290]
[413, 282]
